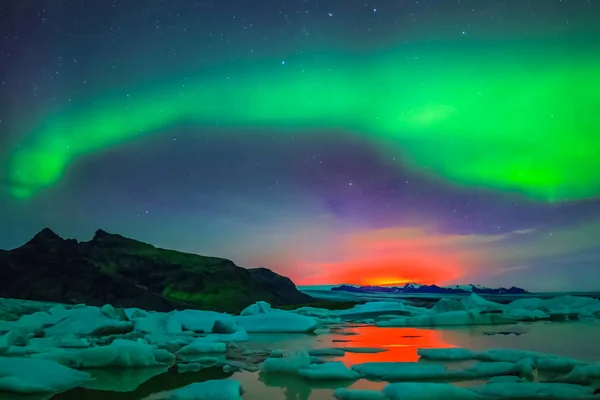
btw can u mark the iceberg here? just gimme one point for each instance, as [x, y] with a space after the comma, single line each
[260, 307]
[327, 352]
[88, 321]
[522, 314]
[223, 389]
[277, 322]
[427, 391]
[25, 375]
[451, 318]
[120, 353]
[328, 371]
[530, 390]
[203, 345]
[200, 321]
[448, 305]
[403, 371]
[449, 354]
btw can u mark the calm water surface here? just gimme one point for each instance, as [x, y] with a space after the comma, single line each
[576, 339]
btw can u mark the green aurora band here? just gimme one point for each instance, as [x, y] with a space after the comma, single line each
[524, 122]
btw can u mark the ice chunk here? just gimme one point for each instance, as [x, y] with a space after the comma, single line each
[474, 301]
[280, 322]
[530, 390]
[371, 309]
[485, 369]
[290, 364]
[504, 379]
[447, 305]
[260, 307]
[532, 303]
[31, 322]
[224, 326]
[157, 323]
[355, 394]
[223, 389]
[88, 321]
[328, 371]
[399, 371]
[25, 375]
[120, 353]
[326, 352]
[511, 355]
[557, 363]
[239, 336]
[448, 319]
[198, 320]
[313, 312]
[13, 338]
[522, 314]
[203, 345]
[449, 354]
[120, 380]
[364, 350]
[584, 372]
[427, 391]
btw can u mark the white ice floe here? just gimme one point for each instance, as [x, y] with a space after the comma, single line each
[522, 314]
[328, 371]
[370, 309]
[25, 375]
[584, 372]
[203, 345]
[223, 389]
[157, 323]
[403, 371]
[291, 363]
[451, 318]
[364, 350]
[541, 361]
[120, 353]
[88, 321]
[448, 354]
[260, 307]
[427, 391]
[327, 352]
[276, 322]
[356, 394]
[530, 390]
[523, 368]
[200, 321]
[474, 301]
[447, 305]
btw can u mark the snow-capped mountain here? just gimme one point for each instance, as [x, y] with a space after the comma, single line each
[417, 288]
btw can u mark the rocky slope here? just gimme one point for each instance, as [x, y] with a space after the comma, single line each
[127, 273]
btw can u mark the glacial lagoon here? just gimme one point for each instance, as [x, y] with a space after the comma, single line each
[356, 337]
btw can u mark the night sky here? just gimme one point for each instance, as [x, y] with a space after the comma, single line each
[365, 142]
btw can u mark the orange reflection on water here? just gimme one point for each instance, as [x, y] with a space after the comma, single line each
[401, 343]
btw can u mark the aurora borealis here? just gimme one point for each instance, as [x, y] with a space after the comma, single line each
[399, 141]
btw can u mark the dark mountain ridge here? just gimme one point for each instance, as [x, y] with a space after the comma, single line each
[411, 288]
[125, 272]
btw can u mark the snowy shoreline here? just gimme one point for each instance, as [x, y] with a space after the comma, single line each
[69, 341]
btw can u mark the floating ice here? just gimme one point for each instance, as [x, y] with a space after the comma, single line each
[427, 391]
[277, 322]
[328, 371]
[530, 390]
[223, 389]
[448, 319]
[400, 371]
[261, 307]
[25, 375]
[355, 394]
[290, 364]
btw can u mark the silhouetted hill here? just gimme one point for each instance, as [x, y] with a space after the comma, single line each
[124, 272]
